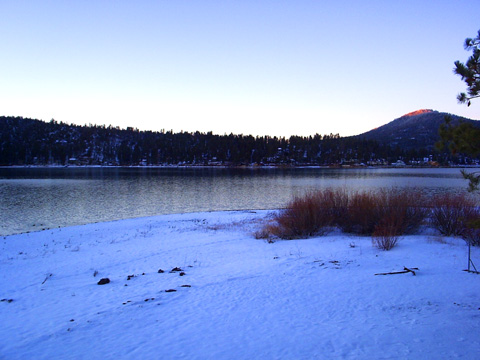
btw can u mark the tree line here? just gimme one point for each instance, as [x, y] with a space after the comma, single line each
[26, 141]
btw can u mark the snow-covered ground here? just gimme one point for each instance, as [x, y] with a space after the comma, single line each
[239, 297]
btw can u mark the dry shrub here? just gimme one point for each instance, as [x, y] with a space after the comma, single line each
[363, 213]
[337, 203]
[263, 233]
[311, 214]
[384, 242]
[408, 207]
[385, 235]
[268, 229]
[471, 233]
[367, 209]
[383, 214]
[451, 213]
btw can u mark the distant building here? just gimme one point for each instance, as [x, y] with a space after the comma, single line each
[399, 163]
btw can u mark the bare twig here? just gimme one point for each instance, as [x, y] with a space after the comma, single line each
[404, 271]
[46, 278]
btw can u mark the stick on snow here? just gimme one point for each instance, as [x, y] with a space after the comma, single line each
[46, 278]
[404, 271]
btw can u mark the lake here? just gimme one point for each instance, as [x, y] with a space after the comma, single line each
[36, 198]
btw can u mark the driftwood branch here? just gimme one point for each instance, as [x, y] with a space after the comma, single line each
[404, 271]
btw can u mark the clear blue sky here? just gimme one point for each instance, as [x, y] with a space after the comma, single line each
[252, 67]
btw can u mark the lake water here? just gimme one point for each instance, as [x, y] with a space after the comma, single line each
[36, 198]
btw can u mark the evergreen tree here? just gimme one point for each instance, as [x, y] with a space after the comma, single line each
[465, 138]
[470, 71]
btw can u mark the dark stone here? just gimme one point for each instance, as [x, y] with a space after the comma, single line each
[170, 290]
[185, 285]
[103, 281]
[175, 269]
[160, 271]
[182, 274]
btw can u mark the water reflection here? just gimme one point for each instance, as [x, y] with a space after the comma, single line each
[35, 198]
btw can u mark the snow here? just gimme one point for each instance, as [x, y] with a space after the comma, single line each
[248, 299]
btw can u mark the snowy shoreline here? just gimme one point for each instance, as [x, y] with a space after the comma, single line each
[239, 297]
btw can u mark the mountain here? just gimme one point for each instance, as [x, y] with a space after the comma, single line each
[415, 130]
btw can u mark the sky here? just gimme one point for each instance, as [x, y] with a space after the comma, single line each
[275, 68]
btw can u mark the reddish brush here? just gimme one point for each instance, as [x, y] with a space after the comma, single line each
[385, 235]
[452, 213]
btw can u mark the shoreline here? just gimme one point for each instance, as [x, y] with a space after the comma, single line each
[190, 166]
[139, 218]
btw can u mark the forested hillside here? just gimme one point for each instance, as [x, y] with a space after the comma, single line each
[33, 142]
[418, 129]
